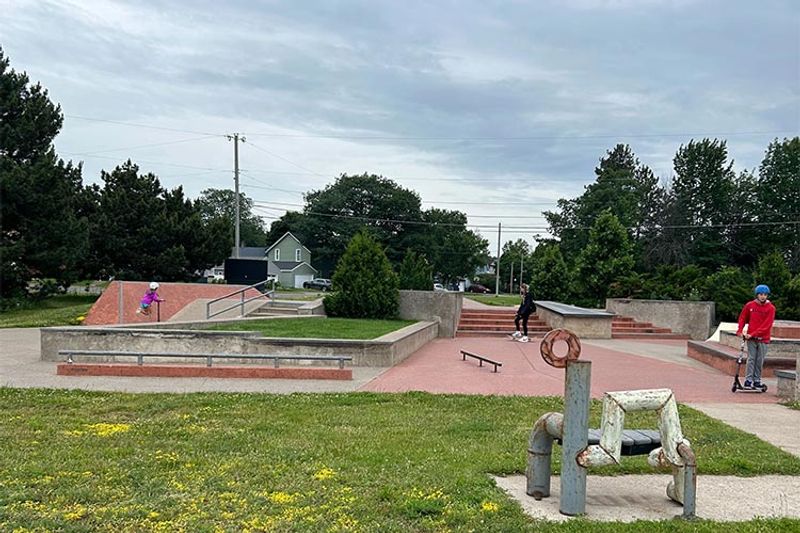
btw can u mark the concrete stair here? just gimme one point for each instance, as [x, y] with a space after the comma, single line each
[624, 327]
[278, 307]
[495, 323]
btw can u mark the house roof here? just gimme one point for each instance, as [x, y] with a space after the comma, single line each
[288, 266]
[289, 233]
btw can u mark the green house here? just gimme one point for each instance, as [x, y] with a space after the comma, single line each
[290, 261]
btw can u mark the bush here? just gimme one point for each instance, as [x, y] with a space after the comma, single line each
[730, 288]
[416, 273]
[365, 284]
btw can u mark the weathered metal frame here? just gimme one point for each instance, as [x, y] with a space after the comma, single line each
[573, 426]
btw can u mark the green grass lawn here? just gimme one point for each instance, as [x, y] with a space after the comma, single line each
[319, 328]
[503, 299]
[92, 461]
[62, 310]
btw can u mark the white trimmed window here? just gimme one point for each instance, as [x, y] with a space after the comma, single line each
[277, 254]
[297, 255]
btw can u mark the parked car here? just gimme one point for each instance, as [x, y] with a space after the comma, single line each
[477, 287]
[320, 284]
[438, 287]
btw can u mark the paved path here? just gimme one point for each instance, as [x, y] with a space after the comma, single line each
[617, 365]
[642, 497]
[775, 424]
[20, 366]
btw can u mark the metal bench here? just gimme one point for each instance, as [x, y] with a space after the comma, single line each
[634, 441]
[209, 357]
[480, 358]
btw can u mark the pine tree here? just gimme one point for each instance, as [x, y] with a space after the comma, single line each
[365, 284]
[415, 273]
[608, 257]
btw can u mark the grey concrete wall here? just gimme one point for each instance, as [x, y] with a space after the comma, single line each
[583, 327]
[385, 351]
[696, 319]
[444, 307]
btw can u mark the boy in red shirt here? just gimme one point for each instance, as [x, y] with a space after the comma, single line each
[758, 314]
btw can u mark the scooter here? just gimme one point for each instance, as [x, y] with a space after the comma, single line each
[737, 385]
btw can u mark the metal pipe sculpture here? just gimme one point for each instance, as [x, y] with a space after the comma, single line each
[572, 428]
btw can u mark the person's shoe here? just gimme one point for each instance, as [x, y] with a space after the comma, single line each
[523, 339]
[748, 384]
[138, 311]
[516, 334]
[756, 384]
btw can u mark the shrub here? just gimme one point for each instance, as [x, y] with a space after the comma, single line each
[416, 273]
[730, 288]
[365, 284]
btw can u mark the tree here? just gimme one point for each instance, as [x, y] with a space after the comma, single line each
[550, 277]
[773, 271]
[220, 204]
[703, 190]
[608, 257]
[42, 235]
[515, 255]
[778, 199]
[142, 231]
[730, 288]
[415, 273]
[623, 186]
[365, 284]
[454, 250]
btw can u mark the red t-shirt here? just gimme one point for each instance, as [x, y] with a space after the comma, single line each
[759, 318]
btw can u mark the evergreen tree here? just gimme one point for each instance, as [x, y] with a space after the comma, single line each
[550, 277]
[42, 235]
[778, 200]
[416, 273]
[365, 284]
[607, 258]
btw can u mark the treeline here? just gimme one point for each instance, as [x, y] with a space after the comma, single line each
[707, 234]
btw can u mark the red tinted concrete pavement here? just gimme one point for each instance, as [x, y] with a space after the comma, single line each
[437, 367]
[177, 295]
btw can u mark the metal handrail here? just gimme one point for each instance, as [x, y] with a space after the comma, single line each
[207, 356]
[265, 294]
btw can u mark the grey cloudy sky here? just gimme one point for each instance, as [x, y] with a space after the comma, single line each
[493, 108]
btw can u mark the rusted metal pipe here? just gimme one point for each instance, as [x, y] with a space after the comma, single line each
[576, 437]
[540, 449]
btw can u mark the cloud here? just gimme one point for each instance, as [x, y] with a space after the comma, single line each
[489, 100]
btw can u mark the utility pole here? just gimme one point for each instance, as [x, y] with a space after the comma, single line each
[521, 267]
[511, 280]
[235, 138]
[497, 262]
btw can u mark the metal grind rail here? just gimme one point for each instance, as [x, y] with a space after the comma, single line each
[265, 293]
[209, 357]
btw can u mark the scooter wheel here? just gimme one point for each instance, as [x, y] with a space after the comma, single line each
[733, 389]
[763, 388]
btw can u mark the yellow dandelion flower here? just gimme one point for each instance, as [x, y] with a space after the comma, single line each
[106, 430]
[281, 497]
[489, 507]
[324, 473]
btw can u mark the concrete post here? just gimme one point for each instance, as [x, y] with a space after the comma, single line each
[576, 437]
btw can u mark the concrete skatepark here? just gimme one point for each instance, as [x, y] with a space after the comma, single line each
[436, 367]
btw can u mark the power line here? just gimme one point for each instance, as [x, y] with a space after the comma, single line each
[145, 145]
[520, 137]
[161, 163]
[273, 154]
[121, 123]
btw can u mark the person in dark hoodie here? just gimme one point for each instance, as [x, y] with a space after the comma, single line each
[758, 315]
[523, 313]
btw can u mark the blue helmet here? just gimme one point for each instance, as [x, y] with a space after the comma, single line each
[762, 289]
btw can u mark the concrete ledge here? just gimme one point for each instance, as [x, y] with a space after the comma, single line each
[438, 306]
[384, 351]
[197, 371]
[786, 384]
[723, 358]
[695, 319]
[585, 323]
[786, 329]
[777, 347]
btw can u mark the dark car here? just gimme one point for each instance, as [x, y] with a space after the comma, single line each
[319, 284]
[477, 287]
